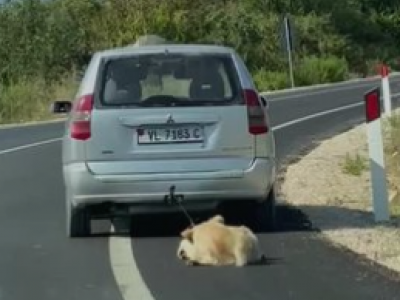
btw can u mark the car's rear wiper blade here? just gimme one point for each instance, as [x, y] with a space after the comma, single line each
[210, 102]
[166, 101]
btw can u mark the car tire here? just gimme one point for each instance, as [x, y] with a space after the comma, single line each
[78, 221]
[259, 216]
[265, 213]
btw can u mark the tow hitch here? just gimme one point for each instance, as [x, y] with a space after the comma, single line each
[173, 199]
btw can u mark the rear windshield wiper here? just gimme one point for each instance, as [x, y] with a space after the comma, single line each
[163, 100]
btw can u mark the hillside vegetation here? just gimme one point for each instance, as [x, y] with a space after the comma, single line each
[44, 43]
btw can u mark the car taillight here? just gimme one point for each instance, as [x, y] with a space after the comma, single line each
[255, 113]
[80, 118]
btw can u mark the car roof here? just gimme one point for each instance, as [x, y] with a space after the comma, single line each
[172, 48]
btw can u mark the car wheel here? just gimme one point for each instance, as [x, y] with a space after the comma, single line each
[261, 216]
[265, 213]
[78, 221]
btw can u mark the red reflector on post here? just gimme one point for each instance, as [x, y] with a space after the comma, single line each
[372, 105]
[383, 70]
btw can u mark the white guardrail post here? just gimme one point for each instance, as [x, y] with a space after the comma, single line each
[387, 99]
[376, 155]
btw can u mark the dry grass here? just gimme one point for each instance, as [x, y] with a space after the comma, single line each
[331, 185]
[30, 100]
[392, 151]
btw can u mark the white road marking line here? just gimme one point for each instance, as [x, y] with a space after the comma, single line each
[31, 124]
[296, 94]
[316, 115]
[27, 146]
[312, 92]
[126, 272]
[355, 81]
[322, 113]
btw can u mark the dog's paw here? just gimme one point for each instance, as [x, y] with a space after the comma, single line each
[241, 264]
[190, 263]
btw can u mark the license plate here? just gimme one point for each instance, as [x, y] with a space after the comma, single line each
[168, 135]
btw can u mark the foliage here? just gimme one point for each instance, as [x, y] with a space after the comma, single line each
[354, 165]
[29, 100]
[44, 40]
[322, 70]
[270, 80]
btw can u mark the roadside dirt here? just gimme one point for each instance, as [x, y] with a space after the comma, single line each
[333, 189]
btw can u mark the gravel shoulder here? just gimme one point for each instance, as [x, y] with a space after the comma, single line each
[333, 189]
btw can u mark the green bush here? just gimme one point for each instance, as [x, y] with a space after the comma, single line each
[314, 70]
[354, 165]
[45, 39]
[269, 80]
[58, 35]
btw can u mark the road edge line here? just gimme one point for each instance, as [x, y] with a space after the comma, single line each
[31, 124]
[322, 113]
[127, 275]
[27, 146]
[325, 85]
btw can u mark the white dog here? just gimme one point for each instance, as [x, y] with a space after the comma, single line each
[215, 243]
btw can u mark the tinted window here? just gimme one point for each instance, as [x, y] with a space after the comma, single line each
[170, 80]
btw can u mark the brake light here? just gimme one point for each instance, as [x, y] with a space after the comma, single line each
[80, 118]
[255, 113]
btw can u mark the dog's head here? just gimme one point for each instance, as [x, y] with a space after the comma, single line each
[181, 252]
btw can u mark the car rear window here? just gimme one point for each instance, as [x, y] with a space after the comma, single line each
[163, 80]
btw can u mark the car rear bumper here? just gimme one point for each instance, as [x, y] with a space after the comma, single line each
[146, 192]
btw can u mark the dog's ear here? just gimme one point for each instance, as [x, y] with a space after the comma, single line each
[187, 234]
[218, 218]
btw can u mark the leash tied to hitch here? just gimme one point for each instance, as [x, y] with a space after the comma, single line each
[173, 199]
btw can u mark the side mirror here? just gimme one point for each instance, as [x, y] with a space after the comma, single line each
[61, 107]
[264, 101]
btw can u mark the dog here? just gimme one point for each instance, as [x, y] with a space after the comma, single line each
[214, 243]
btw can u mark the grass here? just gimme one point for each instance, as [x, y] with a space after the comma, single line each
[29, 100]
[392, 160]
[395, 209]
[354, 165]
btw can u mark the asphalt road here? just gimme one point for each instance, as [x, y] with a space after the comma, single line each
[38, 262]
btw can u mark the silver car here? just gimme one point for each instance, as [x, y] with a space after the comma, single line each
[152, 123]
